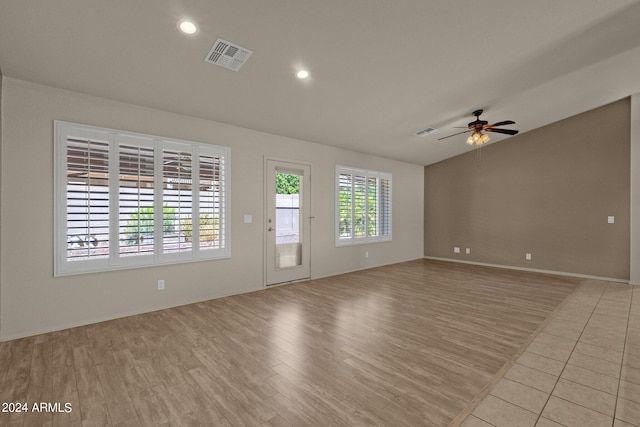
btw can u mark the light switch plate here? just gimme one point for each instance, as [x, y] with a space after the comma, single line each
[611, 219]
[248, 219]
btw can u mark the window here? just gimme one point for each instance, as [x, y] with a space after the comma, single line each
[363, 206]
[129, 200]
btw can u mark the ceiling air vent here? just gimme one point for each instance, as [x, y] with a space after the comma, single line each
[227, 55]
[427, 131]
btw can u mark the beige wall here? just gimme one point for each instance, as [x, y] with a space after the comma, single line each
[635, 190]
[34, 301]
[547, 192]
[1, 77]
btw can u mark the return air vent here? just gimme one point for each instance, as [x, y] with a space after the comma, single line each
[427, 131]
[227, 55]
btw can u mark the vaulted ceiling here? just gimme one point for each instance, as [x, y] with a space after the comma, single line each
[379, 70]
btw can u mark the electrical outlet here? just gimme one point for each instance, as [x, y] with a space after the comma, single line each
[468, 251]
[366, 254]
[161, 285]
[611, 219]
[456, 250]
[527, 256]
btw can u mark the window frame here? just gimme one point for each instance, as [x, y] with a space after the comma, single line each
[114, 260]
[367, 175]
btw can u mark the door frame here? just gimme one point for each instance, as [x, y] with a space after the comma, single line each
[307, 214]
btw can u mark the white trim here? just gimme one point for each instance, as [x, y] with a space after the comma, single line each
[368, 267]
[533, 270]
[115, 139]
[307, 210]
[366, 239]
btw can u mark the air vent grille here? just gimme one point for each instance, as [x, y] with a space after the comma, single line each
[227, 55]
[427, 131]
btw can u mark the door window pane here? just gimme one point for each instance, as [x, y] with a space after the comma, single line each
[287, 208]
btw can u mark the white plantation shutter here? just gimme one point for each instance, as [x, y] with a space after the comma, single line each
[372, 207]
[345, 203]
[127, 200]
[384, 202]
[363, 206]
[359, 206]
[211, 201]
[87, 197]
[177, 168]
[136, 195]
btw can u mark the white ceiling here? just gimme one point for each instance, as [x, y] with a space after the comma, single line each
[380, 70]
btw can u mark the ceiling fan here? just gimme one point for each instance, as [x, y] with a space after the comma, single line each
[477, 126]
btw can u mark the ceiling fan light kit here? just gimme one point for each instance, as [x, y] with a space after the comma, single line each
[476, 127]
[478, 138]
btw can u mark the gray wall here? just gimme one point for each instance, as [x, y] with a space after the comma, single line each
[547, 192]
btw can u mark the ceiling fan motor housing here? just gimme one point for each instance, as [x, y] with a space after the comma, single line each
[477, 124]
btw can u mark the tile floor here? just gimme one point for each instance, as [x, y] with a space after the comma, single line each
[583, 368]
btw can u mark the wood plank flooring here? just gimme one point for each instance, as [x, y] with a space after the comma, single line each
[410, 344]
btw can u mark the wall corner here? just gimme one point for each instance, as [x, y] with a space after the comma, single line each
[634, 273]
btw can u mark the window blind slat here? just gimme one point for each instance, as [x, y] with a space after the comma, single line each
[359, 206]
[345, 206]
[87, 198]
[153, 191]
[363, 206]
[135, 201]
[210, 203]
[177, 193]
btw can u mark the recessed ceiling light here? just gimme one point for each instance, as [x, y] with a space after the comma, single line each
[187, 27]
[302, 74]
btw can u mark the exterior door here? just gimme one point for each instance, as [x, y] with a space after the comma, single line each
[288, 221]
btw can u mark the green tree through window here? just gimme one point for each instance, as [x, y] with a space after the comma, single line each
[287, 183]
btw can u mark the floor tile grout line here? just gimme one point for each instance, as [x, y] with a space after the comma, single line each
[593, 316]
[626, 335]
[512, 403]
[582, 406]
[482, 419]
[558, 397]
[567, 362]
[501, 373]
[542, 355]
[597, 357]
[591, 370]
[586, 386]
[535, 369]
[526, 385]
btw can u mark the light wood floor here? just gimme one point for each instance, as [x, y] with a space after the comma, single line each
[409, 344]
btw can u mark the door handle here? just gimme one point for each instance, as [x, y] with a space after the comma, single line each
[269, 229]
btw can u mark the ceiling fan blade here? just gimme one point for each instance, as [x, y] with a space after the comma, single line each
[505, 131]
[506, 122]
[459, 133]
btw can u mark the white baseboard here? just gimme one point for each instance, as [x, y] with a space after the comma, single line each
[368, 267]
[534, 270]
